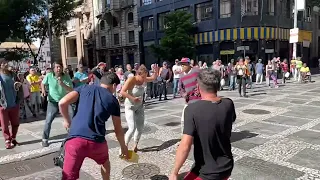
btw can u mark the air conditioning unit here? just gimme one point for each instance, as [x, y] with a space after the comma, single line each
[209, 9]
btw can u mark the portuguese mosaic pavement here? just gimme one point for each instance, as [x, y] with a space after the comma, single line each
[276, 136]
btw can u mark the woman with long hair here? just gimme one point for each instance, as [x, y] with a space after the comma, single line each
[133, 90]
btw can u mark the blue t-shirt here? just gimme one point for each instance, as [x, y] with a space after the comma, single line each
[8, 87]
[96, 105]
[259, 67]
[80, 76]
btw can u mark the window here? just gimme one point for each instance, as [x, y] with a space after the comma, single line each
[250, 7]
[319, 23]
[147, 24]
[308, 12]
[48, 53]
[131, 36]
[162, 21]
[146, 2]
[116, 39]
[204, 11]
[102, 25]
[271, 7]
[185, 9]
[103, 41]
[225, 8]
[130, 17]
[114, 22]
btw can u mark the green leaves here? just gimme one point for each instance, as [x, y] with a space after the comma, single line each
[27, 19]
[178, 39]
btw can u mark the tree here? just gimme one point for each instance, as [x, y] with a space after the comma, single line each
[27, 19]
[178, 39]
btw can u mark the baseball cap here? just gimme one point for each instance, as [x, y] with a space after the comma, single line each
[185, 60]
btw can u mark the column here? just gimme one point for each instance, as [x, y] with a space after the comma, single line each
[79, 42]
[125, 57]
[63, 50]
[137, 56]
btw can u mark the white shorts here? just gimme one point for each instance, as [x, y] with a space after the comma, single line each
[35, 98]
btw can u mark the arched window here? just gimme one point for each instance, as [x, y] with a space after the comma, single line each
[102, 25]
[130, 17]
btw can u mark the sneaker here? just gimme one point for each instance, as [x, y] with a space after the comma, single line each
[14, 142]
[45, 143]
[8, 144]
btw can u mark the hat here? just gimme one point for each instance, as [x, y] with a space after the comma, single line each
[185, 60]
[102, 64]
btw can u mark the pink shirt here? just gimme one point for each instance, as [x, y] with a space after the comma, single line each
[26, 88]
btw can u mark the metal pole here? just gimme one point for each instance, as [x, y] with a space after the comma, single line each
[295, 25]
[49, 31]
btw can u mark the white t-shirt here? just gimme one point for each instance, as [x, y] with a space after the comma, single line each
[176, 68]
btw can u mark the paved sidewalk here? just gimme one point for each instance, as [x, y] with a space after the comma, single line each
[276, 136]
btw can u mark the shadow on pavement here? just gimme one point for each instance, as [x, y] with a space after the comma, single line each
[61, 136]
[237, 136]
[40, 117]
[163, 146]
[164, 177]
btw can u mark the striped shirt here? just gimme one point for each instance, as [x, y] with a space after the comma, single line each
[188, 86]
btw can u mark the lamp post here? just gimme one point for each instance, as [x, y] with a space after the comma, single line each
[295, 25]
[49, 31]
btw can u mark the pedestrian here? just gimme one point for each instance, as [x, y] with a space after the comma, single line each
[26, 98]
[95, 105]
[259, 71]
[98, 72]
[133, 91]
[154, 84]
[231, 71]
[11, 95]
[59, 84]
[177, 70]
[165, 75]
[80, 77]
[285, 70]
[35, 96]
[209, 132]
[188, 85]
[242, 76]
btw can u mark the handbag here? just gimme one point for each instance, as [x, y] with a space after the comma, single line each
[59, 160]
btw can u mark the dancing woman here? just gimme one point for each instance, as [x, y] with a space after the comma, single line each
[133, 91]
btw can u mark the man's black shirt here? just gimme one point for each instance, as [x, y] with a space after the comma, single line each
[210, 124]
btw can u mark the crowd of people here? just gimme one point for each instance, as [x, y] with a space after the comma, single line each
[88, 97]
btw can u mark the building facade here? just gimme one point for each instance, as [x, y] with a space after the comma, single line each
[228, 29]
[44, 57]
[77, 44]
[117, 32]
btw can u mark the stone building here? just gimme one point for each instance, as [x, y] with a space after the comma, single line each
[117, 32]
[77, 44]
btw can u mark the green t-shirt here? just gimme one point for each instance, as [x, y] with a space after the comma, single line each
[56, 91]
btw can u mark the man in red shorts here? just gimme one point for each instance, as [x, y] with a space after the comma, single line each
[207, 125]
[86, 138]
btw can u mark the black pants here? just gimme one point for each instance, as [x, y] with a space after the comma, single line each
[242, 81]
[153, 90]
[163, 89]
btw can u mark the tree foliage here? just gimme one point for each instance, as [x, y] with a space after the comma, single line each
[178, 41]
[27, 19]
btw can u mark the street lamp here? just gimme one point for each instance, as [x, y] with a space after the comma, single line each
[49, 31]
[295, 25]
